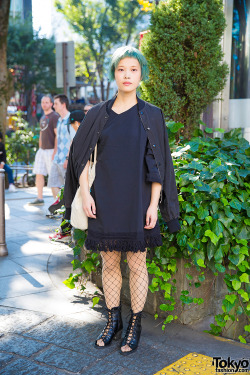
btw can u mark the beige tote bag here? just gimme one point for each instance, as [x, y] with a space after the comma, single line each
[79, 219]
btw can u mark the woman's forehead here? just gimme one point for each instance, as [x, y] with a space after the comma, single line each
[128, 61]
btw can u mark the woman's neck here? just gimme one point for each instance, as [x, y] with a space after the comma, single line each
[124, 101]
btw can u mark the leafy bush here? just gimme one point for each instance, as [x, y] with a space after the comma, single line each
[183, 49]
[21, 147]
[214, 190]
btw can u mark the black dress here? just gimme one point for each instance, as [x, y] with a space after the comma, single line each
[125, 171]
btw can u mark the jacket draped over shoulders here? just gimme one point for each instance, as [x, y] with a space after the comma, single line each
[153, 122]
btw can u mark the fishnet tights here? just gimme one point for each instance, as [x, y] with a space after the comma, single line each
[112, 281]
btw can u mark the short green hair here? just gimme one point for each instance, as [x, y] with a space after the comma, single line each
[128, 51]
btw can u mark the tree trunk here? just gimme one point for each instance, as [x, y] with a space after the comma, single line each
[5, 79]
[107, 90]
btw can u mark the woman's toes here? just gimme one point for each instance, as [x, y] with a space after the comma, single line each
[125, 348]
[100, 342]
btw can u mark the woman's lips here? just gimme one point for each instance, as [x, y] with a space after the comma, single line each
[127, 83]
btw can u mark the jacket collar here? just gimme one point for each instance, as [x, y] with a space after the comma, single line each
[110, 102]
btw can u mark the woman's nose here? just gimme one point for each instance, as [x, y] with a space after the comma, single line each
[126, 74]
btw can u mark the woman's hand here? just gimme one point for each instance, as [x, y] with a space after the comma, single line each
[151, 217]
[89, 205]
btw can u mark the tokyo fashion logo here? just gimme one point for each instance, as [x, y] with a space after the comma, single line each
[231, 365]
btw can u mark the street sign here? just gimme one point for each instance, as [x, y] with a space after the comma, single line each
[65, 65]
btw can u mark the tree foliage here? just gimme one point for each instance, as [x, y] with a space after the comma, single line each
[32, 58]
[103, 26]
[185, 58]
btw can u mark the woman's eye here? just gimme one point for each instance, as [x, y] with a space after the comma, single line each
[134, 70]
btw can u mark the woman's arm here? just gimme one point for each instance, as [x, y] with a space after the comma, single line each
[152, 211]
[87, 199]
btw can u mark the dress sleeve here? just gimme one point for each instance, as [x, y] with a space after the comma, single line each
[153, 173]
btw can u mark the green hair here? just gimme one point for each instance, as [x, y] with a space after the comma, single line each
[128, 51]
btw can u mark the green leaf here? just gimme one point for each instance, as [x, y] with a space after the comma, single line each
[189, 219]
[69, 283]
[241, 338]
[243, 232]
[200, 263]
[195, 165]
[95, 301]
[174, 127]
[181, 239]
[224, 201]
[88, 265]
[211, 249]
[231, 298]
[212, 236]
[239, 310]
[219, 130]
[220, 268]
[168, 319]
[247, 221]
[244, 250]
[235, 203]
[228, 305]
[198, 300]
[217, 227]
[244, 295]
[165, 307]
[76, 264]
[247, 328]
[208, 130]
[186, 300]
[189, 277]
[236, 284]
[236, 259]
[244, 278]
[232, 178]
[202, 212]
[201, 278]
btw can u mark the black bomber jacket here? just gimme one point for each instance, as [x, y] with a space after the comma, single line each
[153, 122]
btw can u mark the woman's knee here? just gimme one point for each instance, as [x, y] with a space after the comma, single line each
[110, 260]
[137, 262]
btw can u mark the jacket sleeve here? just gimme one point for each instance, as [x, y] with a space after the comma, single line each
[153, 173]
[169, 204]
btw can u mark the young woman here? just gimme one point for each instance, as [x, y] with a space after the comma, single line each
[134, 174]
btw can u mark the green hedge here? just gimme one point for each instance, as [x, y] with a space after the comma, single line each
[214, 190]
[185, 57]
[21, 147]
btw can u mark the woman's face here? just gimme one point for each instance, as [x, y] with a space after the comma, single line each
[128, 74]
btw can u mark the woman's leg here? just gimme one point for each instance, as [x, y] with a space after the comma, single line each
[111, 280]
[138, 283]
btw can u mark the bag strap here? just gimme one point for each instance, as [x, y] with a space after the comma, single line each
[95, 157]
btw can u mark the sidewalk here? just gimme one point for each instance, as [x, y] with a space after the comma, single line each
[48, 329]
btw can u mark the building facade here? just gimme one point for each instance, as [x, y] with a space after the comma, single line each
[233, 111]
[21, 8]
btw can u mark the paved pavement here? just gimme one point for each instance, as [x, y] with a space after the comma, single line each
[46, 328]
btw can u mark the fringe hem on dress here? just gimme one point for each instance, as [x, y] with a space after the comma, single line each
[123, 245]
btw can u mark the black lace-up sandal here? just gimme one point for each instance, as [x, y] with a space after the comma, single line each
[133, 333]
[113, 328]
